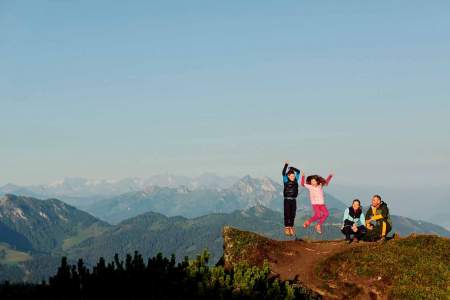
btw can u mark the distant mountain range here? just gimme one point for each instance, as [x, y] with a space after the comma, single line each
[133, 193]
[35, 233]
[186, 202]
[114, 201]
[82, 191]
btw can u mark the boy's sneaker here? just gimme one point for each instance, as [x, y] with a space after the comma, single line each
[292, 230]
[306, 224]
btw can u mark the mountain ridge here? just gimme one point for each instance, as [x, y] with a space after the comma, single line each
[246, 192]
[45, 224]
[80, 187]
[153, 232]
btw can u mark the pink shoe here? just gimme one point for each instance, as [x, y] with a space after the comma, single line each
[319, 229]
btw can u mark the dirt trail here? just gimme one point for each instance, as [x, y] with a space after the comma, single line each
[299, 258]
[298, 261]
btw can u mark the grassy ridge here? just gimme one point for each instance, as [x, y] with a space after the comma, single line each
[417, 267]
[83, 234]
[11, 256]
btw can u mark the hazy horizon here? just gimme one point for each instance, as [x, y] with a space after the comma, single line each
[274, 177]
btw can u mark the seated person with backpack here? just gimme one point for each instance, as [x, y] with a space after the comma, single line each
[378, 220]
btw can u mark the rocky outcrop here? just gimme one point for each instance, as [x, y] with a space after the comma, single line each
[244, 246]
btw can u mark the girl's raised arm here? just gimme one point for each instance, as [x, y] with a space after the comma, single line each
[328, 179]
[302, 182]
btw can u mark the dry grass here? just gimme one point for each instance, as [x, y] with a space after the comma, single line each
[417, 267]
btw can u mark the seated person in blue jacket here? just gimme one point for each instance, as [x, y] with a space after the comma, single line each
[354, 221]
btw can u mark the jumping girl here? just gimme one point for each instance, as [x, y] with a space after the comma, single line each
[315, 184]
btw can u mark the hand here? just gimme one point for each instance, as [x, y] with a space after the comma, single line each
[354, 228]
[286, 162]
[303, 173]
[370, 226]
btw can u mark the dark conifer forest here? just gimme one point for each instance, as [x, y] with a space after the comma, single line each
[157, 278]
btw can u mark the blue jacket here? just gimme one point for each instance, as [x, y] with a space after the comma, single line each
[348, 216]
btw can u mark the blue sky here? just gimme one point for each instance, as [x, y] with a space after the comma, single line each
[108, 89]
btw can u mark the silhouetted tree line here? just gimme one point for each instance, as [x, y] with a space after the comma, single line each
[159, 278]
